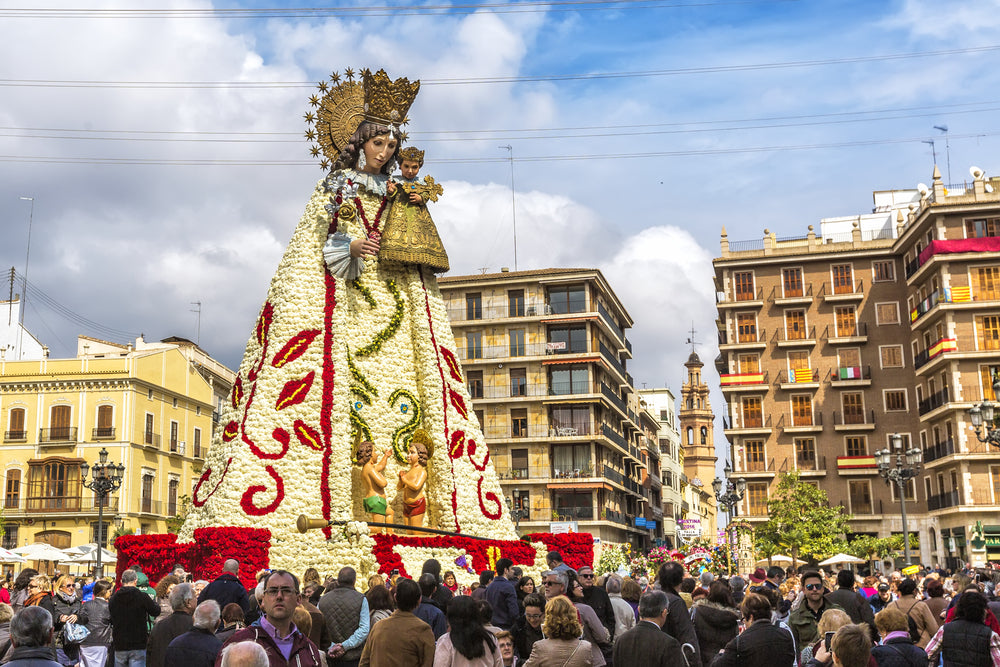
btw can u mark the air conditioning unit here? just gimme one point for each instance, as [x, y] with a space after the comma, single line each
[531, 311]
[181, 446]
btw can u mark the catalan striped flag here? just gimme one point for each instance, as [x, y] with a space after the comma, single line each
[803, 375]
[961, 294]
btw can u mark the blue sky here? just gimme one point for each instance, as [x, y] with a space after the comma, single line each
[132, 245]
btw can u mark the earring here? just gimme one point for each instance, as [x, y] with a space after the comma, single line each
[361, 159]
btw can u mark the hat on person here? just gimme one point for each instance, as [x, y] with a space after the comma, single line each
[758, 576]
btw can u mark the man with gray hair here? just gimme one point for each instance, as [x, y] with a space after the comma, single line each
[198, 647]
[183, 602]
[31, 635]
[244, 654]
[227, 588]
[555, 582]
[624, 616]
[129, 609]
[646, 643]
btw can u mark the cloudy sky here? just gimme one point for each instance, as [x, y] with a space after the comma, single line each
[162, 141]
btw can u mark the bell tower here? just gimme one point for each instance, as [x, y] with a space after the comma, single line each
[697, 442]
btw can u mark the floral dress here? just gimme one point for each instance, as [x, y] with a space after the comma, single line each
[345, 349]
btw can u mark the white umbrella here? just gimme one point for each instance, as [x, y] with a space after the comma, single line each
[41, 551]
[91, 557]
[10, 557]
[840, 559]
[779, 559]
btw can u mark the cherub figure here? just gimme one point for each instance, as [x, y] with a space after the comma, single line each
[375, 504]
[412, 481]
[410, 235]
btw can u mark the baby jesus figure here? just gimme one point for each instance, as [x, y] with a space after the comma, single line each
[410, 235]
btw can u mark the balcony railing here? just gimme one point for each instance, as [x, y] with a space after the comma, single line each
[500, 431]
[614, 437]
[932, 402]
[737, 379]
[752, 421]
[473, 312]
[937, 349]
[814, 463]
[612, 359]
[583, 471]
[803, 420]
[15, 436]
[854, 418]
[799, 376]
[777, 293]
[606, 316]
[103, 433]
[911, 267]
[177, 447]
[939, 450]
[858, 330]
[58, 434]
[573, 513]
[67, 504]
[849, 373]
[511, 351]
[151, 439]
[149, 506]
[793, 336]
[943, 500]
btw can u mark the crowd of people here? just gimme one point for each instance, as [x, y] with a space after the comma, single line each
[571, 618]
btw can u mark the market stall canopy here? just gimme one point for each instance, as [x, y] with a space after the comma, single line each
[10, 557]
[841, 559]
[779, 559]
[41, 551]
[91, 557]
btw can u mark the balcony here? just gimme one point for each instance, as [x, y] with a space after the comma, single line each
[797, 297]
[149, 506]
[811, 466]
[852, 376]
[800, 378]
[610, 323]
[150, 439]
[761, 468]
[734, 382]
[743, 299]
[933, 402]
[911, 267]
[15, 436]
[614, 437]
[545, 473]
[925, 306]
[746, 340]
[68, 504]
[856, 465]
[811, 423]
[943, 346]
[751, 425]
[795, 338]
[844, 294]
[103, 433]
[177, 447]
[573, 514]
[477, 313]
[613, 361]
[846, 335]
[854, 420]
[943, 500]
[939, 450]
[508, 351]
[59, 435]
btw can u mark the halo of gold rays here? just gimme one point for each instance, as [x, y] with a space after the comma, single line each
[337, 115]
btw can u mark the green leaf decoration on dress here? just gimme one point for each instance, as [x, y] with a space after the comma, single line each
[365, 292]
[401, 436]
[360, 379]
[390, 328]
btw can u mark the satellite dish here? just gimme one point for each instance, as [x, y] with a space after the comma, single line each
[976, 172]
[923, 189]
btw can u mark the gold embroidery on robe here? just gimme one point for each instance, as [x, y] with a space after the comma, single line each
[410, 234]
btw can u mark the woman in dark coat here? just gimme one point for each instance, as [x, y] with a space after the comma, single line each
[762, 644]
[716, 620]
[94, 648]
[66, 608]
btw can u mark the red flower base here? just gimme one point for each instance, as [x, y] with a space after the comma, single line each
[577, 549]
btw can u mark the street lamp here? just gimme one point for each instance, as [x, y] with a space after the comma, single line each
[982, 416]
[729, 494]
[105, 478]
[517, 512]
[899, 467]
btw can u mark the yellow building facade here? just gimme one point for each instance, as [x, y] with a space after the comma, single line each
[151, 405]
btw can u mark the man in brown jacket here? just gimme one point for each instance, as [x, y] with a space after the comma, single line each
[402, 640]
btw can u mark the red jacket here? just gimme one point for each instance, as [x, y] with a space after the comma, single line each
[304, 652]
[990, 620]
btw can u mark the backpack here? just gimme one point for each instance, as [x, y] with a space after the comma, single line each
[912, 627]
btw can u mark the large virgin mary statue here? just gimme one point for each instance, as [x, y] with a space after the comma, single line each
[347, 348]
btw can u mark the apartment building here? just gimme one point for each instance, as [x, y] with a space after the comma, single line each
[544, 355]
[151, 405]
[883, 323]
[662, 403]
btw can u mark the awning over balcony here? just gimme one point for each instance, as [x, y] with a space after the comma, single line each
[580, 486]
[575, 360]
[987, 244]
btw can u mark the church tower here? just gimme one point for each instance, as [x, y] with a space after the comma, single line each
[697, 442]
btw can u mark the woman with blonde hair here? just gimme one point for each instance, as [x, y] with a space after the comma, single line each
[831, 621]
[66, 608]
[562, 644]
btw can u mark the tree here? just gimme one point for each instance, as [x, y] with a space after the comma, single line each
[802, 520]
[175, 522]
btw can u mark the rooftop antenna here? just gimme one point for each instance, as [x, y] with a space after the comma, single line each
[197, 340]
[24, 289]
[947, 147]
[933, 151]
[513, 205]
[691, 340]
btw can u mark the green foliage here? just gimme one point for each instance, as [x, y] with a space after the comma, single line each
[801, 521]
[175, 522]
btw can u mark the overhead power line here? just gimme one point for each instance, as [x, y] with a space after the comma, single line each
[709, 69]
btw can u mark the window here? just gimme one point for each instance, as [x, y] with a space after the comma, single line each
[568, 339]
[796, 361]
[860, 492]
[791, 282]
[570, 460]
[568, 380]
[519, 423]
[749, 363]
[99, 533]
[857, 445]
[995, 479]
[54, 484]
[149, 439]
[15, 425]
[480, 417]
[802, 410]
[518, 382]
[795, 324]
[515, 303]
[887, 313]
[690, 435]
[149, 394]
[895, 400]
[891, 356]
[571, 420]
[59, 422]
[473, 345]
[757, 498]
[883, 271]
[986, 283]
[10, 536]
[12, 498]
[474, 306]
[105, 422]
[754, 450]
[474, 382]
[174, 427]
[988, 332]
[516, 339]
[146, 494]
[843, 279]
[746, 327]
[805, 454]
[977, 229]
[197, 443]
[849, 359]
[986, 381]
[172, 496]
[847, 323]
[910, 487]
[175, 402]
[519, 462]
[574, 506]
[854, 408]
[753, 416]
[743, 283]
[704, 435]
[569, 299]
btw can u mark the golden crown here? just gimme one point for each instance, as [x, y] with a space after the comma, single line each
[345, 104]
[412, 153]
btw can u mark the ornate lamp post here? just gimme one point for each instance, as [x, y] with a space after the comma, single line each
[729, 494]
[517, 512]
[106, 477]
[983, 417]
[899, 467]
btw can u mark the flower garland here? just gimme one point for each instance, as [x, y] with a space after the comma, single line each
[390, 328]
[402, 435]
[577, 549]
[482, 554]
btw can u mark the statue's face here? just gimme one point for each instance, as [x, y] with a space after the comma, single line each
[414, 456]
[409, 169]
[378, 150]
